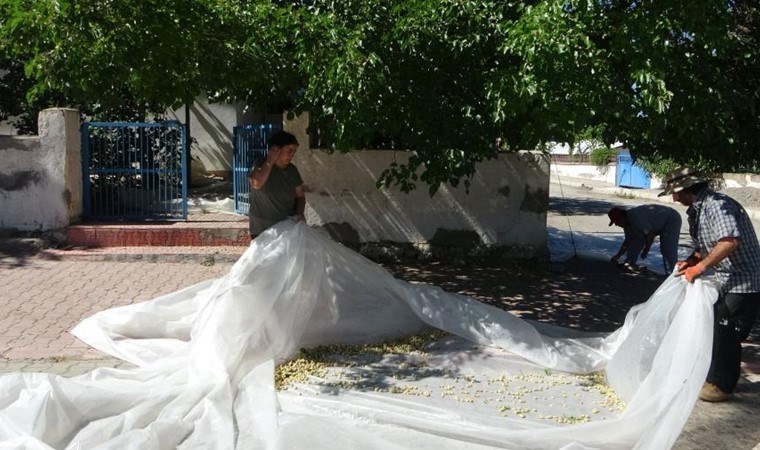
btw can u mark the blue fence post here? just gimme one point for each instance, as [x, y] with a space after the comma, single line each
[85, 169]
[236, 144]
[185, 173]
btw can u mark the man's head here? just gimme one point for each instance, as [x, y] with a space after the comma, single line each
[618, 216]
[287, 144]
[684, 185]
[281, 139]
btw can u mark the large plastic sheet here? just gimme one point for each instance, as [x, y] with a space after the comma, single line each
[206, 357]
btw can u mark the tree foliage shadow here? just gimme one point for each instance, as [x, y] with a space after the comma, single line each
[16, 253]
[579, 206]
[581, 294]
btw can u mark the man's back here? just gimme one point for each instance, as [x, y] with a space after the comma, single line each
[646, 219]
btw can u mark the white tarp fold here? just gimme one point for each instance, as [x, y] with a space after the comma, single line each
[207, 355]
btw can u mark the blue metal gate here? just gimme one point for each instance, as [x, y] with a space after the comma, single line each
[629, 174]
[134, 171]
[250, 142]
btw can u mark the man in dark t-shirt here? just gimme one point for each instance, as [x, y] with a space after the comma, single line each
[277, 190]
[641, 225]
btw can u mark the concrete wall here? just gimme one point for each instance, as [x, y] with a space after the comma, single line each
[590, 171]
[503, 215]
[606, 174]
[211, 129]
[6, 129]
[41, 176]
[738, 180]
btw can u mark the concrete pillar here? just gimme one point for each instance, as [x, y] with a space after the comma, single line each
[61, 153]
[298, 125]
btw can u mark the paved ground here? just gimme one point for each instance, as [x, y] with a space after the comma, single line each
[43, 299]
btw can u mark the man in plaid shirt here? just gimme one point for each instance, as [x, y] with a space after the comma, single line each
[724, 241]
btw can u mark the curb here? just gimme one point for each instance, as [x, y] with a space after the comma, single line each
[199, 255]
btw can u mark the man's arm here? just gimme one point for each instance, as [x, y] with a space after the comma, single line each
[259, 175]
[300, 203]
[722, 250]
[623, 249]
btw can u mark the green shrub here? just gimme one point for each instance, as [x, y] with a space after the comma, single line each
[601, 156]
[656, 165]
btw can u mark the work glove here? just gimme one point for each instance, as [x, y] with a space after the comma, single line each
[688, 262]
[692, 272]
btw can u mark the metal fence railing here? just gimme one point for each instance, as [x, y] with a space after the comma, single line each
[250, 142]
[134, 171]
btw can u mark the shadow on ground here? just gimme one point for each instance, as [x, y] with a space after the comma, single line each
[582, 294]
[580, 206]
[15, 252]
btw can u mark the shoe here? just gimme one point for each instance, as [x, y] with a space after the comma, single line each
[712, 393]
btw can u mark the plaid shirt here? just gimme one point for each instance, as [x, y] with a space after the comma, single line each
[714, 216]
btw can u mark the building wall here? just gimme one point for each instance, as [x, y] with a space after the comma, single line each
[6, 129]
[592, 172]
[211, 131]
[41, 176]
[504, 212]
[607, 174]
[501, 216]
[738, 180]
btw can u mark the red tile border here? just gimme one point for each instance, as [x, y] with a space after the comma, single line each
[169, 234]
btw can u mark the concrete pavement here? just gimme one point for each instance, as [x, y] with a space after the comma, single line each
[42, 300]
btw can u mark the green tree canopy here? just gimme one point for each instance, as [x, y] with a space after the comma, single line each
[447, 79]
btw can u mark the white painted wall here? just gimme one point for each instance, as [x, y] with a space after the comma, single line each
[738, 180]
[588, 171]
[6, 129]
[606, 174]
[41, 176]
[505, 208]
[506, 204]
[579, 148]
[211, 127]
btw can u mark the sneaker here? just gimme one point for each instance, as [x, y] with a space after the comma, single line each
[712, 393]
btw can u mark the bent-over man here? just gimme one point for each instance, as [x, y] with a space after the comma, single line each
[641, 224]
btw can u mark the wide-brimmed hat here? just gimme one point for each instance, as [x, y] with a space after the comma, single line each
[615, 213]
[680, 179]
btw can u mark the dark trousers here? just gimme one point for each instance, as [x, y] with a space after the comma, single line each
[734, 316]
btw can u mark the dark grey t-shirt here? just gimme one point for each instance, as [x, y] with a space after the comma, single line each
[645, 219]
[276, 200]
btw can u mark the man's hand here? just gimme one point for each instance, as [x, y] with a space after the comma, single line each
[692, 272]
[688, 262]
[273, 155]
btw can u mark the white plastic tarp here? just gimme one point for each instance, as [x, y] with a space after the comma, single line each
[207, 355]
